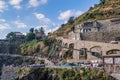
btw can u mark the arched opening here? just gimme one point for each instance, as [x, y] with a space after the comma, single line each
[113, 51]
[96, 51]
[83, 53]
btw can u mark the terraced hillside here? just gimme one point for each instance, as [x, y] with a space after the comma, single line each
[104, 10]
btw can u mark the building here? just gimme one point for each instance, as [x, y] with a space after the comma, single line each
[101, 30]
[39, 35]
[112, 63]
[93, 40]
[19, 35]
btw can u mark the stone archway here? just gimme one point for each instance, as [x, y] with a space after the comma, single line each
[113, 51]
[96, 51]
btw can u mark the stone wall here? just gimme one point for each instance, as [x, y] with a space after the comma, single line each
[101, 36]
[9, 72]
[109, 30]
[103, 47]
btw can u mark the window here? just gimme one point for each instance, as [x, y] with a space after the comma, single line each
[96, 54]
[83, 53]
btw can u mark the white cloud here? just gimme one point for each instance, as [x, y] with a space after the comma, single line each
[18, 16]
[53, 29]
[67, 14]
[17, 7]
[64, 15]
[16, 3]
[46, 28]
[24, 33]
[20, 24]
[4, 26]
[65, 21]
[42, 18]
[78, 13]
[2, 20]
[43, 1]
[36, 3]
[3, 6]
[33, 3]
[39, 16]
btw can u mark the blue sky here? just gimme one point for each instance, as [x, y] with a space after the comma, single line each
[21, 15]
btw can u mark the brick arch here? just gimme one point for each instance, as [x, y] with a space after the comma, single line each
[99, 48]
[113, 51]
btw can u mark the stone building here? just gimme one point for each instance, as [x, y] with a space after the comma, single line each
[19, 35]
[92, 40]
[89, 27]
[39, 35]
[101, 30]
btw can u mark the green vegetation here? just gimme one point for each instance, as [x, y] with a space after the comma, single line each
[68, 74]
[104, 10]
[68, 54]
[29, 48]
[24, 71]
[8, 60]
[71, 20]
[35, 34]
[13, 37]
[30, 36]
[19, 43]
[47, 47]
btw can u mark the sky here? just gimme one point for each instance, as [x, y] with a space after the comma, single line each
[21, 15]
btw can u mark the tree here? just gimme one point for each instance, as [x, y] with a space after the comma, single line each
[30, 36]
[31, 30]
[42, 30]
[49, 33]
[11, 35]
[36, 30]
[62, 25]
[102, 1]
[71, 20]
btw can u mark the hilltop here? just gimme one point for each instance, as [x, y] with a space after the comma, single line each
[106, 9]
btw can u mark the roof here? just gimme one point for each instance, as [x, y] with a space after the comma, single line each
[18, 33]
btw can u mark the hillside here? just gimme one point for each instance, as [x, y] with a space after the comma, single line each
[103, 10]
[66, 74]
